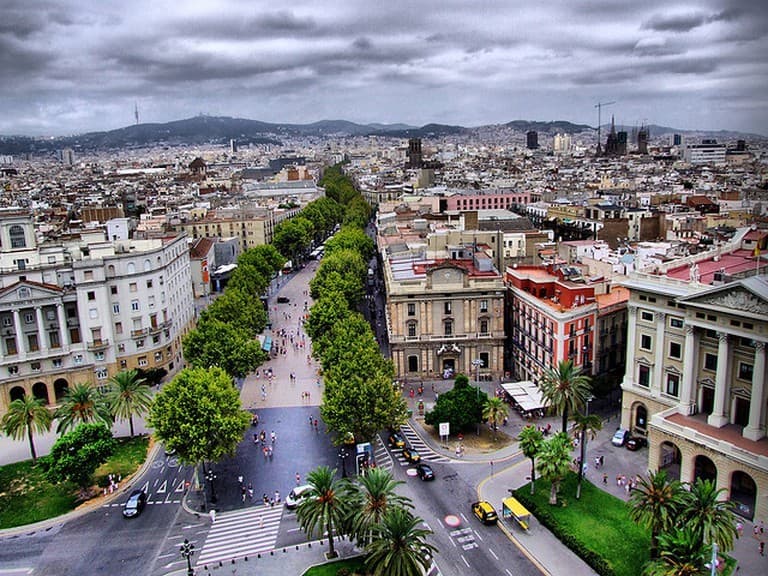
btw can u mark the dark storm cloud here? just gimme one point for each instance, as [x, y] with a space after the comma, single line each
[17, 60]
[282, 23]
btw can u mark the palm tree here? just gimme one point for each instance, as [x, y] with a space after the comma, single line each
[370, 498]
[554, 460]
[681, 553]
[712, 519]
[82, 403]
[399, 547]
[656, 504]
[494, 411]
[25, 416]
[325, 506]
[129, 395]
[531, 439]
[586, 425]
[565, 388]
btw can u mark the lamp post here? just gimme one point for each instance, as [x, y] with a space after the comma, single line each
[210, 475]
[583, 449]
[477, 363]
[343, 455]
[187, 550]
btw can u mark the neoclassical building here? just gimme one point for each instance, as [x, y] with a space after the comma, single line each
[695, 382]
[83, 309]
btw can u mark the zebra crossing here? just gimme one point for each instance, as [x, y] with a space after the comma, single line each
[383, 457]
[240, 533]
[426, 453]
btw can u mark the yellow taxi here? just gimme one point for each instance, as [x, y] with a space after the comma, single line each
[484, 512]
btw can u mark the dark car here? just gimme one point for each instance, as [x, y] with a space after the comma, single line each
[410, 454]
[484, 512]
[283, 300]
[135, 504]
[425, 472]
[395, 439]
[636, 442]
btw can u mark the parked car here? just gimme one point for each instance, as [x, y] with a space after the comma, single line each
[620, 437]
[297, 496]
[636, 442]
[135, 504]
[425, 472]
[283, 300]
[484, 512]
[395, 439]
[410, 454]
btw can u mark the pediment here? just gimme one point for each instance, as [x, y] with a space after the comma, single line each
[447, 274]
[745, 296]
[23, 293]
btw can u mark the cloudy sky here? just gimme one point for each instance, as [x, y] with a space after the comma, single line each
[69, 66]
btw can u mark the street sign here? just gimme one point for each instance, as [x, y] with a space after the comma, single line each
[445, 428]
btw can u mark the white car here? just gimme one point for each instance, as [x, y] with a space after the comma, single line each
[297, 496]
[620, 437]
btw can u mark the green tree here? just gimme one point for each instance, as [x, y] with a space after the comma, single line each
[199, 415]
[215, 343]
[554, 462]
[585, 425]
[494, 411]
[128, 395]
[399, 546]
[370, 497]
[337, 186]
[681, 553]
[351, 238]
[656, 504]
[76, 454]
[27, 416]
[238, 309]
[462, 406]
[82, 403]
[325, 508]
[293, 237]
[324, 315]
[565, 388]
[531, 440]
[344, 271]
[711, 518]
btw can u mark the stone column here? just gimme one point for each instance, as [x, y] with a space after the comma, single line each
[690, 369]
[629, 368]
[658, 368]
[718, 417]
[21, 349]
[63, 331]
[756, 427]
[41, 342]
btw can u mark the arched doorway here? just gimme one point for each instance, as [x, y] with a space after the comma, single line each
[743, 494]
[641, 420]
[670, 459]
[17, 392]
[40, 391]
[704, 468]
[60, 388]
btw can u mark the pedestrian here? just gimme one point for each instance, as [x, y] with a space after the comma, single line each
[761, 547]
[755, 530]
[240, 480]
[250, 491]
[277, 496]
[605, 478]
[242, 494]
[739, 529]
[762, 527]
[597, 462]
[602, 461]
[298, 479]
[273, 436]
[310, 420]
[316, 429]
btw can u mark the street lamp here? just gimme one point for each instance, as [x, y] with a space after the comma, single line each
[211, 476]
[187, 550]
[343, 455]
[582, 464]
[477, 362]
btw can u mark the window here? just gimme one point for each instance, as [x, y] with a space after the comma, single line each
[411, 329]
[710, 362]
[121, 347]
[123, 364]
[16, 233]
[53, 338]
[675, 322]
[646, 342]
[745, 371]
[50, 315]
[7, 321]
[158, 356]
[102, 374]
[156, 339]
[118, 327]
[673, 384]
[485, 358]
[646, 316]
[411, 309]
[56, 362]
[29, 318]
[133, 287]
[483, 306]
[449, 328]
[151, 301]
[91, 295]
[99, 355]
[13, 370]
[93, 313]
[644, 376]
[32, 344]
[675, 350]
[135, 305]
[142, 360]
[413, 363]
[140, 343]
[34, 366]
[149, 283]
[88, 274]
[77, 358]
[483, 326]
[113, 290]
[447, 307]
[115, 308]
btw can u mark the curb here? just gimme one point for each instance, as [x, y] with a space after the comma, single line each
[88, 506]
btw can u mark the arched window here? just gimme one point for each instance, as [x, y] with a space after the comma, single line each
[16, 234]
[147, 265]
[17, 392]
[131, 268]
[40, 391]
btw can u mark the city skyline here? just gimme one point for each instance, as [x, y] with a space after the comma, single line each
[67, 68]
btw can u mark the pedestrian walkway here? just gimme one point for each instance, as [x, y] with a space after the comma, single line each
[425, 451]
[241, 533]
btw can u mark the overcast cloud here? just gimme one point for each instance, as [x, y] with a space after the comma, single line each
[69, 66]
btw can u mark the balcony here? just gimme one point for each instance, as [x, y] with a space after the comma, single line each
[100, 344]
[156, 329]
[139, 333]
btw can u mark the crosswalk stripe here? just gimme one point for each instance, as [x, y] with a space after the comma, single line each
[424, 450]
[241, 533]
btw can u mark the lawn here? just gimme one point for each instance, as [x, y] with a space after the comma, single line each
[598, 520]
[26, 495]
[352, 566]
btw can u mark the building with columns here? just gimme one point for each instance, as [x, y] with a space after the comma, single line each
[695, 381]
[85, 308]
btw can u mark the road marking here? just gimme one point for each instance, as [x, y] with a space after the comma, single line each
[163, 487]
[180, 487]
[493, 553]
[465, 561]
[470, 546]
[507, 571]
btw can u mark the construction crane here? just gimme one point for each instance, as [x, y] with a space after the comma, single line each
[599, 107]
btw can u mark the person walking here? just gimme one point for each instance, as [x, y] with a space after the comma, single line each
[298, 479]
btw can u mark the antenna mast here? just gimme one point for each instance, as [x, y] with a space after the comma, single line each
[136, 111]
[599, 107]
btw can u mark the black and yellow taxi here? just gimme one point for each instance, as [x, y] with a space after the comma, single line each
[484, 512]
[410, 454]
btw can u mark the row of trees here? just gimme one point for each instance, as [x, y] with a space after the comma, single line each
[369, 511]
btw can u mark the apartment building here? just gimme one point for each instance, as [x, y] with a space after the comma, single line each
[85, 308]
[696, 370]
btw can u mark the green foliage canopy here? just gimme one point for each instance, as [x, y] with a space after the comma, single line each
[215, 343]
[77, 454]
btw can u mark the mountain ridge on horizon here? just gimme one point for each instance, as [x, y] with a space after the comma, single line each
[220, 129]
